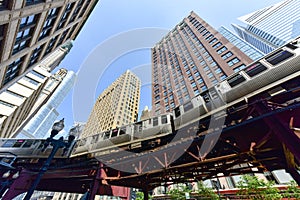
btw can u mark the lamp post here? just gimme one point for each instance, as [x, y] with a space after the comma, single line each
[57, 144]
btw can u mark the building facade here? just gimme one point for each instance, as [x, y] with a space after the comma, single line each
[271, 27]
[248, 49]
[56, 89]
[17, 101]
[189, 59]
[30, 30]
[28, 92]
[117, 105]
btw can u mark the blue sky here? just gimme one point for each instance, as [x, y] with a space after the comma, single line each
[113, 20]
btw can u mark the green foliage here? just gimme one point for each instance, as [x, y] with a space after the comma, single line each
[253, 188]
[292, 191]
[205, 192]
[179, 193]
[140, 196]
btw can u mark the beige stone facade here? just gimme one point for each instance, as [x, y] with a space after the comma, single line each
[116, 106]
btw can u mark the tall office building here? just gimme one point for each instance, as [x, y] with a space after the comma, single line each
[189, 59]
[60, 85]
[22, 98]
[30, 30]
[17, 100]
[248, 49]
[117, 105]
[271, 27]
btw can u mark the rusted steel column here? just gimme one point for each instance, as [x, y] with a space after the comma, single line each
[280, 129]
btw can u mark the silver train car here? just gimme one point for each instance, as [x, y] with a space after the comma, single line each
[127, 137]
[31, 148]
[268, 72]
[277, 67]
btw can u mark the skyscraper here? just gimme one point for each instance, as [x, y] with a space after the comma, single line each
[30, 30]
[189, 59]
[117, 105]
[61, 83]
[271, 27]
[250, 50]
[27, 93]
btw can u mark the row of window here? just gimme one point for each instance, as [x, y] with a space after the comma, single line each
[23, 38]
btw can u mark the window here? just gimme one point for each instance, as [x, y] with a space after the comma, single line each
[2, 29]
[155, 121]
[37, 74]
[35, 55]
[213, 41]
[65, 16]
[76, 11]
[221, 50]
[227, 55]
[31, 2]
[26, 29]
[48, 24]
[51, 45]
[62, 37]
[114, 132]
[7, 104]
[255, 69]
[30, 80]
[106, 135]
[164, 119]
[217, 45]
[12, 71]
[177, 111]
[87, 2]
[233, 61]
[3, 4]
[239, 68]
[278, 57]
[235, 80]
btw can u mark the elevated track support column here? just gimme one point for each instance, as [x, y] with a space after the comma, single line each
[290, 141]
[96, 183]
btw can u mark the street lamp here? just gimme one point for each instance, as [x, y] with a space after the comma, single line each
[57, 144]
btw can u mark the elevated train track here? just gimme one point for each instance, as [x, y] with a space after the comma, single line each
[259, 128]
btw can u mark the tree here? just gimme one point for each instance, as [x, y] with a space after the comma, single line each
[253, 188]
[140, 196]
[292, 191]
[206, 192]
[179, 192]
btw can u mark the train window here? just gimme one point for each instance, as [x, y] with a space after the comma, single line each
[94, 139]
[18, 143]
[188, 106]
[164, 119]
[114, 132]
[8, 143]
[255, 69]
[292, 46]
[122, 130]
[106, 135]
[155, 121]
[235, 80]
[28, 143]
[205, 97]
[278, 57]
[177, 112]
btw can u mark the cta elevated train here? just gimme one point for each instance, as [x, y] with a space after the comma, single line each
[277, 67]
